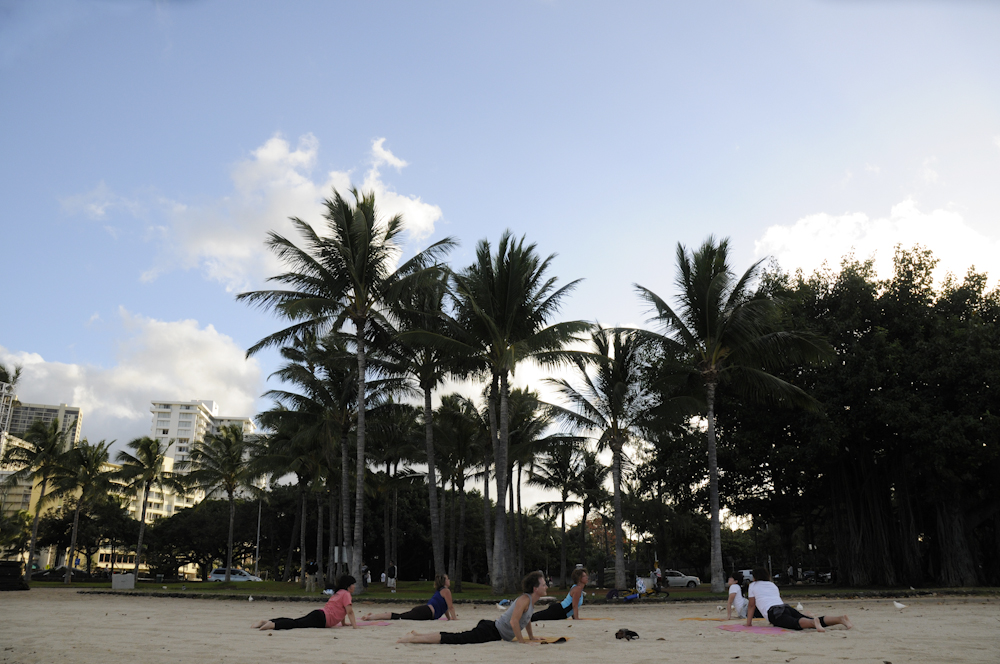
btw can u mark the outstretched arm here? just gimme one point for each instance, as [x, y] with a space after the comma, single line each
[450, 611]
[350, 615]
[729, 607]
[751, 608]
[574, 594]
[515, 619]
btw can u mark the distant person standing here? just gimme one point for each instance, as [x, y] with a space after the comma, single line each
[390, 577]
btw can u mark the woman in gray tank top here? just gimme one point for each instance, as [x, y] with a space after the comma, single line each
[507, 627]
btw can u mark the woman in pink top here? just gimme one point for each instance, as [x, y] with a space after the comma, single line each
[336, 611]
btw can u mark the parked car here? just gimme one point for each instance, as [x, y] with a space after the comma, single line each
[235, 574]
[675, 579]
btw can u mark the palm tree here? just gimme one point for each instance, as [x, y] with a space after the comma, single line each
[343, 276]
[559, 469]
[9, 378]
[464, 440]
[503, 303]
[725, 333]
[34, 460]
[589, 488]
[84, 469]
[220, 464]
[419, 311]
[611, 403]
[142, 470]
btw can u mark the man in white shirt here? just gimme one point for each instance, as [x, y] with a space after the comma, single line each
[764, 597]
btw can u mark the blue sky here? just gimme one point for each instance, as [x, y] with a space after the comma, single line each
[146, 147]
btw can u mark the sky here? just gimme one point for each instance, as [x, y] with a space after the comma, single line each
[146, 149]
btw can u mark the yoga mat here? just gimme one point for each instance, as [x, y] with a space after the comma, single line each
[546, 640]
[715, 619]
[371, 623]
[756, 629]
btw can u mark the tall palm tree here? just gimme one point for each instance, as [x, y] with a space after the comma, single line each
[344, 275]
[85, 470]
[9, 378]
[420, 311]
[220, 465]
[611, 403]
[33, 461]
[589, 488]
[464, 441]
[724, 333]
[504, 301]
[142, 471]
[559, 469]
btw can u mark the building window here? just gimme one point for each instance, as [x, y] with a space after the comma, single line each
[166, 431]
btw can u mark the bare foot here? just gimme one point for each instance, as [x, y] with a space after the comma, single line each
[408, 637]
[266, 625]
[846, 622]
[818, 625]
[258, 624]
[367, 616]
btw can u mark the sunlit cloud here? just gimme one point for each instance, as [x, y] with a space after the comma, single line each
[825, 238]
[173, 360]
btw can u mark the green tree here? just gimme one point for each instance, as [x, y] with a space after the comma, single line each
[84, 470]
[504, 302]
[723, 333]
[558, 470]
[220, 464]
[343, 276]
[141, 471]
[34, 461]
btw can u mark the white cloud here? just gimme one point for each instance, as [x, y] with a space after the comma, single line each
[97, 202]
[226, 238]
[872, 168]
[928, 174]
[819, 238]
[174, 360]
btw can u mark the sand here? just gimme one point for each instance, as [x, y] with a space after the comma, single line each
[46, 625]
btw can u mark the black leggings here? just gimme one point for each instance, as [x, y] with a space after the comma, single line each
[484, 632]
[315, 618]
[424, 612]
[788, 617]
[551, 612]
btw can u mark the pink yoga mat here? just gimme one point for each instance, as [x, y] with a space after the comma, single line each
[756, 629]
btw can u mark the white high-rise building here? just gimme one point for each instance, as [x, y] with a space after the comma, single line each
[186, 422]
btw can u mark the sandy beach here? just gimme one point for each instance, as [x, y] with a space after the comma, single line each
[58, 625]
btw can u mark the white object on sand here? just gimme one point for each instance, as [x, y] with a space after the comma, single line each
[898, 605]
[250, 599]
[799, 607]
[721, 608]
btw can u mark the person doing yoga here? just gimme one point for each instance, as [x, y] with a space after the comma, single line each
[764, 597]
[507, 627]
[569, 607]
[438, 605]
[337, 610]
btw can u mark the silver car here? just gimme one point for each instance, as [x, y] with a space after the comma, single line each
[235, 574]
[675, 579]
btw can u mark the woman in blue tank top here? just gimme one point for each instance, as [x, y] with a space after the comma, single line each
[569, 607]
[438, 605]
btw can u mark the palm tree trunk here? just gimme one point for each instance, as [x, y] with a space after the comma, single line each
[395, 530]
[331, 568]
[142, 531]
[345, 499]
[319, 536]
[437, 541]
[72, 543]
[302, 540]
[562, 562]
[520, 527]
[460, 546]
[229, 542]
[291, 543]
[386, 526]
[583, 534]
[499, 580]
[34, 531]
[718, 582]
[487, 534]
[616, 472]
[359, 481]
[454, 563]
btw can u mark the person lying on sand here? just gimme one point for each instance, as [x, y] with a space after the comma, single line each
[438, 605]
[765, 598]
[569, 607]
[337, 610]
[507, 627]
